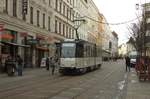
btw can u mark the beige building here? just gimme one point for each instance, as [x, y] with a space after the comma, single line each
[31, 27]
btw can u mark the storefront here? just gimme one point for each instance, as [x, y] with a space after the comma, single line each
[11, 47]
[41, 48]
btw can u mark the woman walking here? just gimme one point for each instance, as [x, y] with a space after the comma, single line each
[19, 65]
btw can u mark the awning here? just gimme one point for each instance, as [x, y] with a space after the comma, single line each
[42, 48]
[14, 44]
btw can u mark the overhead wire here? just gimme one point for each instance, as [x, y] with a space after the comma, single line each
[120, 23]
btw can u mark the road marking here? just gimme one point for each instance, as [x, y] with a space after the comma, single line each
[121, 85]
[133, 81]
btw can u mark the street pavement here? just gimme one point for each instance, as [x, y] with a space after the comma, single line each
[109, 82]
[137, 89]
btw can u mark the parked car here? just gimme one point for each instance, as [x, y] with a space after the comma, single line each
[133, 61]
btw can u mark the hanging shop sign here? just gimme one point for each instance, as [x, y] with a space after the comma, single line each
[32, 41]
[23, 34]
[24, 6]
[40, 37]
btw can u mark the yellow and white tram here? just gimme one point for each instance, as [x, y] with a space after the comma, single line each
[79, 56]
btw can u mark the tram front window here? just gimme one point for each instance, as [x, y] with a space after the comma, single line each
[68, 50]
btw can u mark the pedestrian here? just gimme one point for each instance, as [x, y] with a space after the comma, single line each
[127, 63]
[1, 66]
[19, 64]
[47, 63]
[53, 64]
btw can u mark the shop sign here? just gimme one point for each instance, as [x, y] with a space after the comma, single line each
[41, 37]
[32, 41]
[23, 34]
[6, 36]
[24, 6]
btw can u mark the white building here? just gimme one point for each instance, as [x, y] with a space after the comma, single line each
[87, 10]
[122, 50]
[130, 46]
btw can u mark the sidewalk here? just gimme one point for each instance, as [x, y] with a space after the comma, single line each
[28, 73]
[137, 89]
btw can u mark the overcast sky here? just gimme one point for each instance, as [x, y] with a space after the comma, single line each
[117, 11]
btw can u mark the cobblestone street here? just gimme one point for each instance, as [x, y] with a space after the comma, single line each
[109, 82]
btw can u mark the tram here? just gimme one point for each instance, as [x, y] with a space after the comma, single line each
[79, 56]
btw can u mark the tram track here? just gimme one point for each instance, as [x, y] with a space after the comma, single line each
[63, 79]
[61, 84]
[33, 83]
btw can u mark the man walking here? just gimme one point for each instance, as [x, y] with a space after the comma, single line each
[127, 63]
[47, 63]
[52, 64]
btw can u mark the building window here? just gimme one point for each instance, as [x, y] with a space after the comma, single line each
[31, 15]
[73, 3]
[66, 31]
[64, 9]
[56, 5]
[49, 2]
[70, 32]
[110, 45]
[15, 8]
[70, 14]
[60, 27]
[49, 22]
[60, 6]
[56, 26]
[44, 20]
[63, 29]
[38, 18]
[67, 13]
[6, 6]
[85, 1]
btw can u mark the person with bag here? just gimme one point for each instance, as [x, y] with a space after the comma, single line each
[19, 62]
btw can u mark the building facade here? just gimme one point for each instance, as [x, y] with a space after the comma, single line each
[106, 35]
[122, 49]
[114, 51]
[31, 28]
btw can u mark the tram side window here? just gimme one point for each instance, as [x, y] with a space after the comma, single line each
[79, 50]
